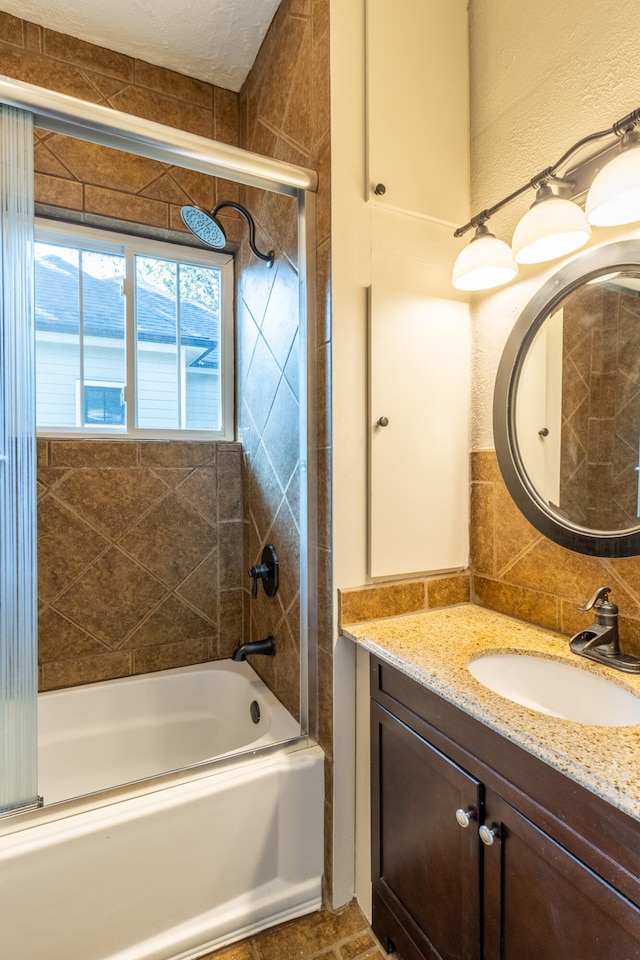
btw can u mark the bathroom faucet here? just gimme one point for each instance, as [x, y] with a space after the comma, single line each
[599, 641]
[267, 647]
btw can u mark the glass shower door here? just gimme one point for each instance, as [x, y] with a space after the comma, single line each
[18, 597]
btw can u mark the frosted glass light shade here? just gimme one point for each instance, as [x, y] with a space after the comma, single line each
[485, 263]
[614, 197]
[551, 228]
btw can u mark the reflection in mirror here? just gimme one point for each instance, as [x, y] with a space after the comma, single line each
[578, 405]
[567, 405]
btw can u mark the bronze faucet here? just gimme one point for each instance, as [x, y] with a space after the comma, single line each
[599, 641]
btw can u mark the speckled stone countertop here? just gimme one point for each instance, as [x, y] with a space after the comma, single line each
[435, 647]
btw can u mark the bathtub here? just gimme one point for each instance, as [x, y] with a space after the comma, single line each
[173, 865]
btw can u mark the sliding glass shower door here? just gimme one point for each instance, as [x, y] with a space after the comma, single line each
[18, 597]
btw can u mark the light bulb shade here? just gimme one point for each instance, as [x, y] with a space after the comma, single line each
[551, 228]
[485, 263]
[614, 197]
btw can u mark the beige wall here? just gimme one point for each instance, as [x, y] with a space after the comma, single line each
[370, 243]
[542, 76]
[373, 243]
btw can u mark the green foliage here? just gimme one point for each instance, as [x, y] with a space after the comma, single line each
[198, 284]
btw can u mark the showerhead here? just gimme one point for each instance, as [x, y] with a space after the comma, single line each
[206, 227]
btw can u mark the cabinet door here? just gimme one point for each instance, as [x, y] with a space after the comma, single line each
[426, 867]
[541, 903]
[419, 387]
[418, 105]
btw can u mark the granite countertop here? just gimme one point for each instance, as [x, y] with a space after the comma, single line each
[434, 648]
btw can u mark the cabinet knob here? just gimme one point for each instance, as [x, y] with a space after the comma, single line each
[488, 834]
[464, 817]
[382, 421]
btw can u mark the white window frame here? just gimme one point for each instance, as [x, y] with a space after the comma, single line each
[129, 246]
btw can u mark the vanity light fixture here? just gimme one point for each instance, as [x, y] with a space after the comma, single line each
[555, 225]
[614, 197]
[485, 263]
[551, 228]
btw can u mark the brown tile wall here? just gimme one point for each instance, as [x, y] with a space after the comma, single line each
[74, 175]
[284, 113]
[268, 418]
[405, 596]
[517, 571]
[139, 557]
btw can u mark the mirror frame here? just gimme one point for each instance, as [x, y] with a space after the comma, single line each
[622, 255]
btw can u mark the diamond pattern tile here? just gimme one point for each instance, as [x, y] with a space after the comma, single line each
[111, 598]
[171, 540]
[172, 622]
[65, 546]
[200, 589]
[125, 558]
[112, 499]
[200, 489]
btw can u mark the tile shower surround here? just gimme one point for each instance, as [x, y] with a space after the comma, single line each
[139, 557]
[282, 111]
[74, 177]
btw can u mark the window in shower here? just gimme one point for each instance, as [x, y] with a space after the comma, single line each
[133, 337]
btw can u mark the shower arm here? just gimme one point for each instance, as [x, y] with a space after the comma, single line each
[267, 257]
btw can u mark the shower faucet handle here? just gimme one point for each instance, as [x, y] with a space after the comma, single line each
[267, 571]
[256, 573]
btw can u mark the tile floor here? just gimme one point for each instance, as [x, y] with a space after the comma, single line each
[343, 935]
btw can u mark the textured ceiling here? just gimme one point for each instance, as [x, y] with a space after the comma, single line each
[213, 40]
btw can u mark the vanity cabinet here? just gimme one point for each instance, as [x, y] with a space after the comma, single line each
[557, 875]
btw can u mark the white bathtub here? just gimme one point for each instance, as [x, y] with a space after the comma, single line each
[171, 868]
[103, 734]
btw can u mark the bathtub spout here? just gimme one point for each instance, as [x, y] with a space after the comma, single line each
[267, 647]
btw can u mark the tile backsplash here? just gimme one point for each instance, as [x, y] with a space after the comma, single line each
[139, 556]
[404, 596]
[518, 571]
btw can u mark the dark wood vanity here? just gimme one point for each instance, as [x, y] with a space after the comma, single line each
[556, 875]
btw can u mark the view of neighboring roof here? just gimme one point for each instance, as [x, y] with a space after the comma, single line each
[57, 309]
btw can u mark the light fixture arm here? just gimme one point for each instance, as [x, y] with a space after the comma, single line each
[267, 257]
[619, 129]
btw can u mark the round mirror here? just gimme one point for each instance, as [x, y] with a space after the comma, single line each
[567, 405]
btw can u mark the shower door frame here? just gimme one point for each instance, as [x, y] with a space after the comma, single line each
[94, 123]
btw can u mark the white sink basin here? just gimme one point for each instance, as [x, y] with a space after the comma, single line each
[557, 689]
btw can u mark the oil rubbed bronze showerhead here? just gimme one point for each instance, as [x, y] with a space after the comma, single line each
[206, 227]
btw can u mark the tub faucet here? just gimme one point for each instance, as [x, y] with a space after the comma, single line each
[599, 641]
[267, 647]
